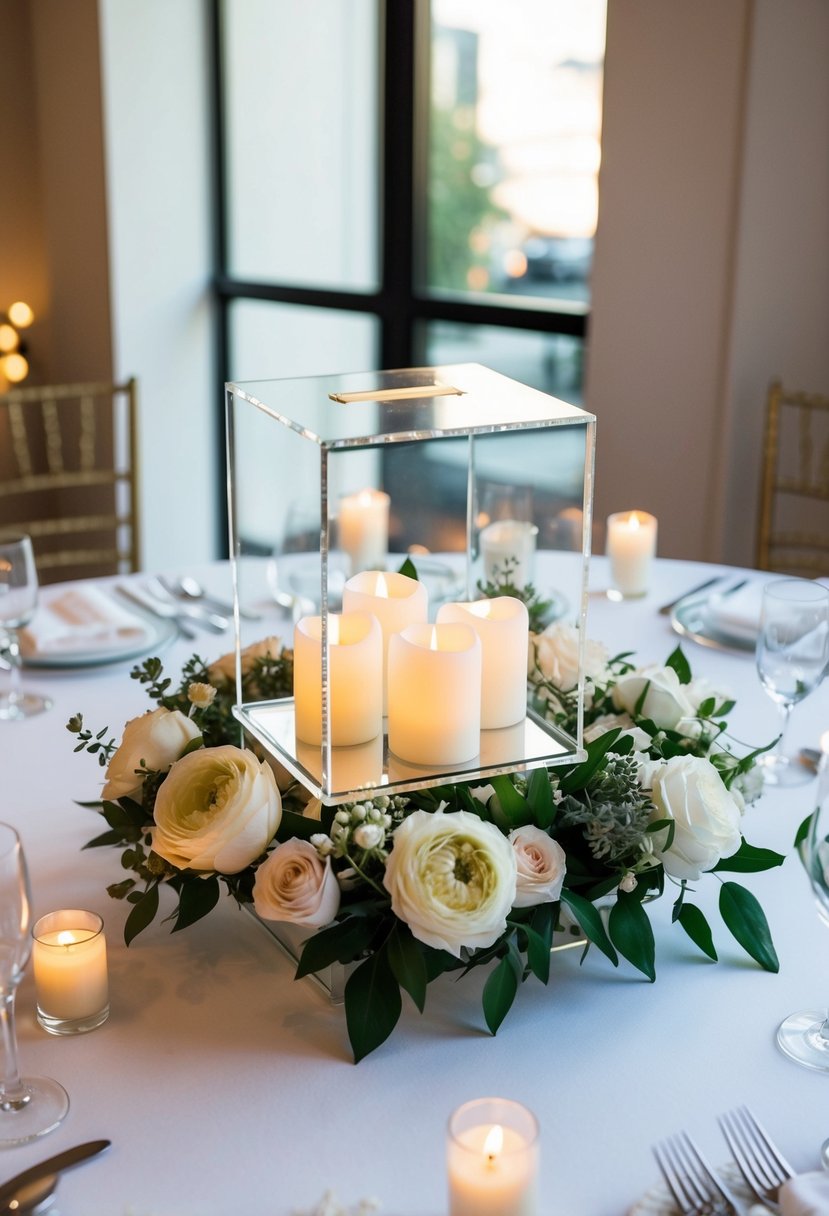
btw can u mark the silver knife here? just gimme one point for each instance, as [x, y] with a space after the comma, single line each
[145, 602]
[666, 608]
[52, 1165]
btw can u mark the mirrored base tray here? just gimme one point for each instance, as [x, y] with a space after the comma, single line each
[354, 772]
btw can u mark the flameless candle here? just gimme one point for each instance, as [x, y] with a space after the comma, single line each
[435, 694]
[508, 550]
[70, 967]
[502, 624]
[492, 1159]
[631, 545]
[396, 601]
[355, 678]
[364, 528]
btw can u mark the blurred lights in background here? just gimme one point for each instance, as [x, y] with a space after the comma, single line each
[14, 366]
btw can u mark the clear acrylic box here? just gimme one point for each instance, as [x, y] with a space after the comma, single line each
[473, 476]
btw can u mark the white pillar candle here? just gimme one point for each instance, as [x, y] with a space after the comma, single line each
[508, 550]
[364, 528]
[396, 601]
[435, 694]
[492, 1159]
[70, 967]
[355, 678]
[502, 624]
[631, 545]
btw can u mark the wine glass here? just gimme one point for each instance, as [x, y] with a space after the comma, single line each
[792, 656]
[29, 1106]
[18, 600]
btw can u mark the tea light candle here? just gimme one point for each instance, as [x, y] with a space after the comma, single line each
[631, 545]
[396, 601]
[355, 678]
[492, 1159]
[502, 624]
[364, 528]
[508, 550]
[70, 968]
[435, 694]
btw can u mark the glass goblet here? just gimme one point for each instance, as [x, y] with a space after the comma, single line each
[792, 656]
[18, 600]
[29, 1106]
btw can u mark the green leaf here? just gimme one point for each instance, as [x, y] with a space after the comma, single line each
[579, 777]
[372, 1004]
[500, 990]
[631, 933]
[659, 825]
[680, 665]
[706, 707]
[114, 837]
[538, 951]
[407, 963]
[540, 798]
[142, 914]
[697, 928]
[301, 826]
[198, 897]
[513, 804]
[193, 746]
[749, 860]
[408, 568]
[590, 921]
[342, 943]
[747, 922]
[803, 831]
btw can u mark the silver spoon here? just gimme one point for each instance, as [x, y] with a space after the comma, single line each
[191, 589]
[824, 1154]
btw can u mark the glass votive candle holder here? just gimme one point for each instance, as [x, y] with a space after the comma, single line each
[69, 956]
[492, 1159]
[631, 547]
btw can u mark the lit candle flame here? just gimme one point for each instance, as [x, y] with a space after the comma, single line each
[494, 1142]
[66, 938]
[381, 588]
[633, 521]
[433, 641]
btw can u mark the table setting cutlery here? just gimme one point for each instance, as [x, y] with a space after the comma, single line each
[666, 609]
[27, 1191]
[761, 1164]
[695, 1188]
[189, 590]
[213, 622]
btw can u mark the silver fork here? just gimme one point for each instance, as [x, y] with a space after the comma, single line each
[693, 1185]
[761, 1164]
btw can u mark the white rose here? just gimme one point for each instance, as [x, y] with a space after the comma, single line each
[158, 738]
[541, 867]
[701, 689]
[452, 879]
[665, 701]
[295, 884]
[217, 809]
[641, 740]
[225, 667]
[689, 790]
[647, 769]
[555, 653]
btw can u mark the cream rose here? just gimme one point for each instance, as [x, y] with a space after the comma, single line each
[689, 790]
[541, 867]
[555, 653]
[452, 879]
[157, 738]
[295, 884]
[217, 809]
[225, 668]
[606, 722]
[666, 701]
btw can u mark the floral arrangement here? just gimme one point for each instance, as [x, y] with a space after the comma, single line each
[403, 889]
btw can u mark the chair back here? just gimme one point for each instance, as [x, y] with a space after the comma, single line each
[68, 477]
[793, 534]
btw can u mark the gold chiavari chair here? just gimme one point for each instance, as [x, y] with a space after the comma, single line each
[68, 476]
[793, 534]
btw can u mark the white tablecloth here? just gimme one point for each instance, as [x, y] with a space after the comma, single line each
[226, 1086]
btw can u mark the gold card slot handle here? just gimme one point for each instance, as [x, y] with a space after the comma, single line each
[398, 394]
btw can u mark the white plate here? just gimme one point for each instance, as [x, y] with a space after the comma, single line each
[690, 619]
[159, 633]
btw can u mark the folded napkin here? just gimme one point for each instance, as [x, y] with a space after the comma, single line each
[805, 1195]
[80, 619]
[737, 614]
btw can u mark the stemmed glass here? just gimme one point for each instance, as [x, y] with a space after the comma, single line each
[792, 656]
[18, 600]
[29, 1106]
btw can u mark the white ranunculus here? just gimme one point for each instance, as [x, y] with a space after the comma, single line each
[666, 701]
[217, 809]
[689, 790]
[452, 879]
[541, 867]
[295, 884]
[555, 653]
[224, 669]
[601, 725]
[158, 738]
